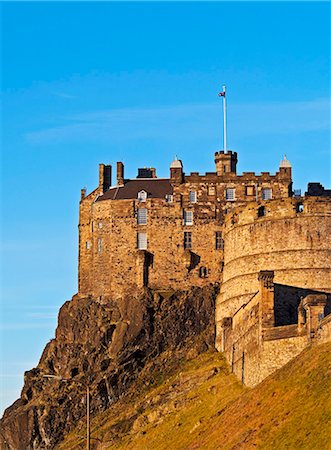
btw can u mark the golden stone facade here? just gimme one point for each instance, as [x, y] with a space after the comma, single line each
[164, 233]
[269, 251]
[275, 296]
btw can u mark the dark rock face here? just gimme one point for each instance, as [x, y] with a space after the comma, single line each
[104, 346]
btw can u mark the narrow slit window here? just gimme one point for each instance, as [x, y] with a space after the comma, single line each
[88, 245]
[100, 245]
[219, 243]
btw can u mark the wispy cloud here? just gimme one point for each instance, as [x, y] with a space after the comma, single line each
[189, 120]
[64, 95]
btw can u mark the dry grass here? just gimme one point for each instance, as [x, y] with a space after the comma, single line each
[198, 404]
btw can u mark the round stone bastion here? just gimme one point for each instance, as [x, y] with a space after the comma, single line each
[290, 236]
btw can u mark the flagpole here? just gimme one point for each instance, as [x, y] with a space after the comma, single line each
[224, 119]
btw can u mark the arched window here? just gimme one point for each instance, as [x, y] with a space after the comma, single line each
[299, 208]
[261, 211]
[142, 196]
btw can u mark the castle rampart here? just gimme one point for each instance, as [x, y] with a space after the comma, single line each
[255, 347]
[289, 236]
[276, 286]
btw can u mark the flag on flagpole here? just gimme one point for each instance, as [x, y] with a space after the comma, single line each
[221, 94]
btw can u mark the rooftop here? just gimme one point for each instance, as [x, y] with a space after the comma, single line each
[155, 188]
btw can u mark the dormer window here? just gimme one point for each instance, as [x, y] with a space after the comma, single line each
[193, 196]
[142, 196]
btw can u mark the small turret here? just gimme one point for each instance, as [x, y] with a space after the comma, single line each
[226, 162]
[176, 170]
[285, 167]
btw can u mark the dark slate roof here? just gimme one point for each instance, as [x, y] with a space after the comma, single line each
[155, 188]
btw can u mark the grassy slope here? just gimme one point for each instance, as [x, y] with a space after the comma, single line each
[195, 403]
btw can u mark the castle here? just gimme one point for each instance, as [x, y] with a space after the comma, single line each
[269, 250]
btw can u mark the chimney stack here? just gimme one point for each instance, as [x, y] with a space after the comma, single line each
[120, 173]
[104, 176]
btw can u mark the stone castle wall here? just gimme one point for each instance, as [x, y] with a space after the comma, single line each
[110, 263]
[255, 348]
[118, 267]
[276, 284]
[295, 245]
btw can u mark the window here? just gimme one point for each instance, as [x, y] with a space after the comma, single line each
[100, 245]
[142, 241]
[261, 211]
[203, 272]
[169, 198]
[142, 196]
[320, 316]
[230, 194]
[142, 216]
[193, 196]
[100, 224]
[211, 190]
[188, 217]
[219, 243]
[299, 207]
[250, 190]
[88, 245]
[187, 239]
[266, 194]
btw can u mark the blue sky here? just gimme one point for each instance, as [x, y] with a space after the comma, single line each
[84, 83]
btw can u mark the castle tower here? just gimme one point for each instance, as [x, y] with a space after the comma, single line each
[285, 168]
[226, 162]
[176, 171]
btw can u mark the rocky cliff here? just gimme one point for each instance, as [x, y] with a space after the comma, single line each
[104, 346]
